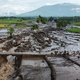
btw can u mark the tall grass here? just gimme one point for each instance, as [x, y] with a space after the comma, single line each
[76, 23]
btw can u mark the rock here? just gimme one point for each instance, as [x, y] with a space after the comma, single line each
[11, 59]
[6, 70]
[2, 60]
[2, 40]
[8, 45]
[24, 47]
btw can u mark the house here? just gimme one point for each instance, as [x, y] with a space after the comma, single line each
[69, 26]
[52, 24]
[72, 26]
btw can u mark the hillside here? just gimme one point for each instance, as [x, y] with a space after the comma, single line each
[65, 9]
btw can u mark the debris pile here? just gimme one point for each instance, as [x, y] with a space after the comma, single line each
[6, 70]
[2, 40]
[34, 42]
[24, 47]
[41, 41]
[7, 45]
[15, 41]
[28, 41]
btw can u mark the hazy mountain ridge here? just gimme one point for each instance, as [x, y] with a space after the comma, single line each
[65, 9]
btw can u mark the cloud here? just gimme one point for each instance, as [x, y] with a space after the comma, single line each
[76, 9]
[49, 4]
[21, 6]
[13, 8]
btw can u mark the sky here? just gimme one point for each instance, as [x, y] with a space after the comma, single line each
[21, 6]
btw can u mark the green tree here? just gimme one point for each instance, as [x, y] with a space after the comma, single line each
[51, 18]
[62, 23]
[34, 27]
[41, 19]
[10, 31]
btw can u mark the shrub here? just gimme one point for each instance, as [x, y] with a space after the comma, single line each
[41, 19]
[10, 31]
[34, 27]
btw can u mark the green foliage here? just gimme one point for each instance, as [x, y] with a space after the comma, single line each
[75, 30]
[62, 23]
[41, 19]
[50, 19]
[70, 19]
[10, 31]
[3, 25]
[76, 23]
[34, 27]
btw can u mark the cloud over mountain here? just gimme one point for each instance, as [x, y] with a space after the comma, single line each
[65, 9]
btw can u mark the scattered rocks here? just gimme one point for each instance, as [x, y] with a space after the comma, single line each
[6, 68]
[40, 40]
[2, 40]
[8, 45]
[24, 47]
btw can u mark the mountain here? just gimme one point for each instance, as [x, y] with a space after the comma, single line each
[65, 9]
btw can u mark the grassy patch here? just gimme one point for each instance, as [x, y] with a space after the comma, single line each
[3, 25]
[13, 21]
[75, 30]
[76, 23]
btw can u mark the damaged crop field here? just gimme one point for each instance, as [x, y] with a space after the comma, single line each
[38, 52]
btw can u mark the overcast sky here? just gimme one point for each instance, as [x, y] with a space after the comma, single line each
[21, 6]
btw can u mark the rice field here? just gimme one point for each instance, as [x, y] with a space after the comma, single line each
[76, 23]
[75, 30]
[3, 25]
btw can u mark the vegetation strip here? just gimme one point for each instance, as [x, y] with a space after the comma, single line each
[74, 30]
[53, 72]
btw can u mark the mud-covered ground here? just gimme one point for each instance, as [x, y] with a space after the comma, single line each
[41, 41]
[30, 69]
[65, 70]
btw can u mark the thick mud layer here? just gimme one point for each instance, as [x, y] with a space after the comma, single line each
[35, 73]
[41, 41]
[65, 70]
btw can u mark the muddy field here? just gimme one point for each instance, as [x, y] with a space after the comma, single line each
[65, 70]
[40, 41]
[37, 69]
[29, 69]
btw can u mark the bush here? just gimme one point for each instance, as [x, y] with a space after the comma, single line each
[34, 27]
[41, 19]
[50, 19]
[10, 31]
[62, 23]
